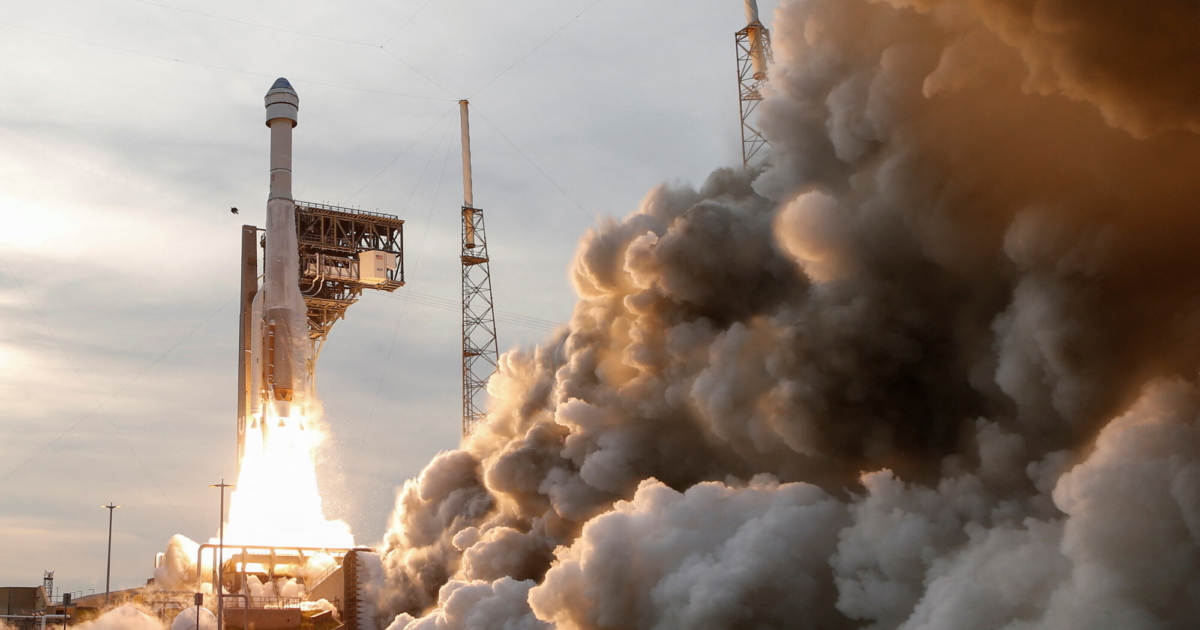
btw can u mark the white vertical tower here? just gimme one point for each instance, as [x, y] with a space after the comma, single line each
[753, 56]
[479, 347]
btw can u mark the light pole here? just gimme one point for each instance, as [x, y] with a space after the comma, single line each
[221, 558]
[108, 569]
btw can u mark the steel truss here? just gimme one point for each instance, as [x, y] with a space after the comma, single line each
[330, 239]
[748, 41]
[480, 348]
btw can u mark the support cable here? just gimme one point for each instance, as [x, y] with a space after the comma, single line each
[213, 67]
[535, 48]
[244, 23]
[406, 149]
[515, 319]
[422, 74]
[100, 404]
[534, 165]
[425, 170]
[404, 311]
[406, 23]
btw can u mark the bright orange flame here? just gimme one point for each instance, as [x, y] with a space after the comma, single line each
[276, 502]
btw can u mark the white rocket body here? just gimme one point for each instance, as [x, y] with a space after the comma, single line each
[280, 348]
[757, 51]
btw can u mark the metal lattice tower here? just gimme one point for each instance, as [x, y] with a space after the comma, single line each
[48, 585]
[332, 242]
[753, 57]
[479, 347]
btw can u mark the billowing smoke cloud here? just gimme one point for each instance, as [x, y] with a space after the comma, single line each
[932, 368]
[126, 617]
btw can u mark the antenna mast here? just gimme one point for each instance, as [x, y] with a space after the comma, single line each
[479, 347]
[753, 56]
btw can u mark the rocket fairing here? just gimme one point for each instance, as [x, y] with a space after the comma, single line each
[279, 345]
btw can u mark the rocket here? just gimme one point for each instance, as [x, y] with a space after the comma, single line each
[279, 351]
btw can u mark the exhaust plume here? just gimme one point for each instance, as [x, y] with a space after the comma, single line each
[934, 367]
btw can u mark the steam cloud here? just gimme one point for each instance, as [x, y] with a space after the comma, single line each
[933, 368]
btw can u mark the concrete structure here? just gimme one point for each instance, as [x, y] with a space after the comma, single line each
[23, 600]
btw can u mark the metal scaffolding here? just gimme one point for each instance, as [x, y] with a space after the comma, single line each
[479, 346]
[331, 240]
[753, 56]
[478, 318]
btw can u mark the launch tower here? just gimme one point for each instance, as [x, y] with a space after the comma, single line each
[753, 56]
[479, 347]
[324, 255]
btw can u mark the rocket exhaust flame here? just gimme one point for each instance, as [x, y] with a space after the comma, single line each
[277, 500]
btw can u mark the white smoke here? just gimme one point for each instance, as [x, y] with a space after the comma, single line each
[934, 367]
[125, 617]
[177, 571]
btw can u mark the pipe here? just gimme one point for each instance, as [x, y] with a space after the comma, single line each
[468, 187]
[43, 618]
[751, 11]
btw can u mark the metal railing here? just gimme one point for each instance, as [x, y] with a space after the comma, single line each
[43, 618]
[264, 602]
[327, 207]
[324, 574]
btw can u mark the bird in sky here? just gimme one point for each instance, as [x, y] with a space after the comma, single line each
[233, 210]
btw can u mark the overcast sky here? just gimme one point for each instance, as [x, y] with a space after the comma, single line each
[128, 128]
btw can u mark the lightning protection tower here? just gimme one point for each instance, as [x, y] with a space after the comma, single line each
[753, 56]
[479, 347]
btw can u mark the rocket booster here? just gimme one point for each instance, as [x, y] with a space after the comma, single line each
[279, 345]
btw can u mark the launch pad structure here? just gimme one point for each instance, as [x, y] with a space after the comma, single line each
[753, 56]
[337, 254]
[480, 349]
[341, 251]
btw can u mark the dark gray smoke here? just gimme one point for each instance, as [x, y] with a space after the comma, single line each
[931, 369]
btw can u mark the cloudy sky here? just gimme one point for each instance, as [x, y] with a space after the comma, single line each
[128, 128]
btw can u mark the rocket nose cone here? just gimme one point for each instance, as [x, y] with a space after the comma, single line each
[281, 85]
[282, 102]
